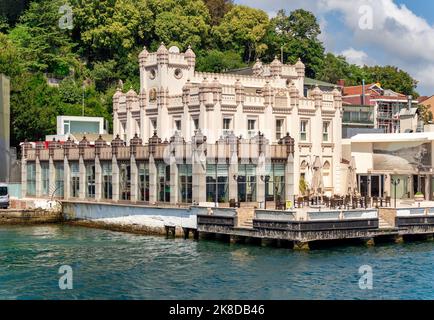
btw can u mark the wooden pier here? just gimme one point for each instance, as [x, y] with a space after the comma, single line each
[367, 226]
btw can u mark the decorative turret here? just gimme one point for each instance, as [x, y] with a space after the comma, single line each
[186, 92]
[68, 145]
[258, 68]
[99, 143]
[289, 143]
[293, 91]
[134, 143]
[293, 94]
[118, 94]
[40, 145]
[26, 146]
[190, 56]
[276, 67]
[84, 143]
[261, 142]
[143, 56]
[154, 141]
[300, 68]
[268, 94]
[199, 141]
[337, 94]
[117, 142]
[162, 54]
[216, 89]
[131, 98]
[204, 90]
[317, 96]
[142, 98]
[54, 145]
[239, 92]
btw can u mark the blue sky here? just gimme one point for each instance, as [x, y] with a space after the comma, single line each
[401, 33]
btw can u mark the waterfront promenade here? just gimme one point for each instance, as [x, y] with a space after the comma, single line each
[298, 228]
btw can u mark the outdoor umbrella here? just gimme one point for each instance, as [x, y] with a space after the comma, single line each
[308, 175]
[352, 177]
[317, 179]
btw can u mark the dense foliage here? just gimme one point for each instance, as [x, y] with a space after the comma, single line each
[107, 35]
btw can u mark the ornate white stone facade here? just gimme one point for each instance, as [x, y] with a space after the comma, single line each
[175, 97]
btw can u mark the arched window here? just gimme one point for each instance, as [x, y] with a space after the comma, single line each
[326, 174]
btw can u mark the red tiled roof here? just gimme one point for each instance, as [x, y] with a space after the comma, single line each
[422, 99]
[357, 90]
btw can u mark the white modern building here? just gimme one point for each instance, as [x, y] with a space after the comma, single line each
[75, 127]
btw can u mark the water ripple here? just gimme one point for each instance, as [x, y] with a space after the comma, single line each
[110, 265]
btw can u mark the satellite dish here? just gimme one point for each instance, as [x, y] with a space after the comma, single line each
[174, 49]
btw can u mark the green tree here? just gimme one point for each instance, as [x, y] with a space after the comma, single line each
[11, 63]
[297, 36]
[44, 46]
[108, 28]
[391, 77]
[243, 29]
[334, 68]
[218, 9]
[104, 74]
[34, 107]
[11, 10]
[218, 61]
[181, 22]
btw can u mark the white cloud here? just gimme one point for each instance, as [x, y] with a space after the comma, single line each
[405, 39]
[357, 57]
[398, 37]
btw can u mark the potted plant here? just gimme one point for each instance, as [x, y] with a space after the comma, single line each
[419, 197]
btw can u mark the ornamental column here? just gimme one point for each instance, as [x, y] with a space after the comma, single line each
[289, 167]
[198, 158]
[116, 143]
[134, 143]
[154, 142]
[99, 144]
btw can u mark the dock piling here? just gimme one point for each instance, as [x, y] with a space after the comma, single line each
[399, 239]
[369, 242]
[301, 246]
[170, 231]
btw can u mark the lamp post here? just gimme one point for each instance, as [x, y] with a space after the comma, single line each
[395, 183]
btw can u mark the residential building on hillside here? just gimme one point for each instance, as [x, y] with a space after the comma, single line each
[427, 102]
[370, 108]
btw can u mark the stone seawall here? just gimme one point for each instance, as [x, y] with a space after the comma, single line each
[130, 228]
[29, 216]
[139, 219]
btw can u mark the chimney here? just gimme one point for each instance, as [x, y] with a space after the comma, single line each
[341, 83]
[410, 102]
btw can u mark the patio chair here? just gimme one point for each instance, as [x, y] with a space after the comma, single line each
[375, 202]
[300, 202]
[388, 201]
[233, 203]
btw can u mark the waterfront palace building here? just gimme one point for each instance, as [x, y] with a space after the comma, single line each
[194, 137]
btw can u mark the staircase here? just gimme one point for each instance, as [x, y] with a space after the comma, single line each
[383, 224]
[247, 224]
[245, 218]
